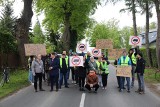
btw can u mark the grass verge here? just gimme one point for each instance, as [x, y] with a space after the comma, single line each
[18, 80]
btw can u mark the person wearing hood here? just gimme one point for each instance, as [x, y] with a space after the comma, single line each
[140, 73]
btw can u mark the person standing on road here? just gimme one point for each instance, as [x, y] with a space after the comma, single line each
[38, 70]
[92, 64]
[54, 71]
[63, 70]
[124, 61]
[140, 73]
[105, 72]
[30, 76]
[99, 73]
[132, 55]
[118, 77]
[82, 74]
[92, 81]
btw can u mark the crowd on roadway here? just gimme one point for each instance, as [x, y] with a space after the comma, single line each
[55, 70]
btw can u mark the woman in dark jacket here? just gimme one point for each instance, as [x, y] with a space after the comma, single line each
[140, 73]
[82, 74]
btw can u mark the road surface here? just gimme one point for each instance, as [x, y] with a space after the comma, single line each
[72, 97]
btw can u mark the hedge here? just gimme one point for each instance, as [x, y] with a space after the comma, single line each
[153, 57]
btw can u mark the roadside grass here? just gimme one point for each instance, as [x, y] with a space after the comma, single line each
[150, 76]
[18, 79]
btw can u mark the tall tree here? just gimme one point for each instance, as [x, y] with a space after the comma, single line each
[22, 29]
[157, 5]
[70, 15]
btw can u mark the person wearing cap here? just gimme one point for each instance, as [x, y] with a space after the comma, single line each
[132, 55]
[92, 81]
[124, 61]
[54, 71]
[140, 73]
[105, 72]
[63, 70]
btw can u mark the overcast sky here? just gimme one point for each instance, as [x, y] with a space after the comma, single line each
[103, 13]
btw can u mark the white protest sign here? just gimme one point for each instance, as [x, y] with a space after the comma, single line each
[76, 61]
[135, 40]
[96, 52]
[81, 47]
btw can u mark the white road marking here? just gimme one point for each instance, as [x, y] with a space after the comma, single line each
[82, 100]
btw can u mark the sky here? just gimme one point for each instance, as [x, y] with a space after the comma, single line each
[103, 13]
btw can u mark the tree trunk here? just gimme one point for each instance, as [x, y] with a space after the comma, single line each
[134, 18]
[22, 30]
[66, 35]
[147, 32]
[157, 3]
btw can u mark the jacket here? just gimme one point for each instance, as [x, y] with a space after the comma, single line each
[140, 66]
[54, 63]
[93, 66]
[37, 67]
[64, 67]
[92, 79]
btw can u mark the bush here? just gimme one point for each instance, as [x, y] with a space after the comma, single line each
[153, 57]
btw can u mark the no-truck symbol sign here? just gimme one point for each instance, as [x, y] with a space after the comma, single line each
[76, 61]
[96, 52]
[135, 40]
[81, 48]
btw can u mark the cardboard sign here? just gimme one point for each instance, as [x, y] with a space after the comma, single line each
[115, 53]
[124, 71]
[81, 48]
[135, 40]
[96, 52]
[104, 44]
[76, 61]
[35, 49]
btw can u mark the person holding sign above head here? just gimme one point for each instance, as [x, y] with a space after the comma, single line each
[92, 81]
[124, 61]
[63, 70]
[54, 71]
[82, 74]
[105, 72]
[38, 70]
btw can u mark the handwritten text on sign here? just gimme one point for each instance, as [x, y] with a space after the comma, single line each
[124, 71]
[35, 49]
[104, 44]
[115, 53]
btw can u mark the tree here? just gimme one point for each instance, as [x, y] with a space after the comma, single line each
[7, 40]
[22, 29]
[71, 15]
[157, 5]
[109, 30]
[38, 36]
[146, 8]
[153, 25]
[131, 7]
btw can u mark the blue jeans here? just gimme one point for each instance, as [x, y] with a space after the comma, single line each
[133, 75]
[68, 73]
[140, 82]
[63, 76]
[30, 77]
[122, 80]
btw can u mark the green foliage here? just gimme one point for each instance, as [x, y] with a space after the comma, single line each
[153, 57]
[153, 25]
[17, 81]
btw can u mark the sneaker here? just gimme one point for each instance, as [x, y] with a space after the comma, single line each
[66, 87]
[137, 91]
[51, 90]
[120, 90]
[95, 91]
[56, 90]
[41, 90]
[128, 91]
[124, 88]
[141, 92]
[103, 88]
[32, 83]
[36, 91]
[82, 89]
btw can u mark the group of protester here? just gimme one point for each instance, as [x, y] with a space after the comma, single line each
[92, 75]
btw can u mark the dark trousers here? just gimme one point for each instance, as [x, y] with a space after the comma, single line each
[38, 76]
[73, 74]
[94, 86]
[76, 77]
[63, 76]
[54, 79]
[104, 79]
[118, 81]
[122, 80]
[81, 82]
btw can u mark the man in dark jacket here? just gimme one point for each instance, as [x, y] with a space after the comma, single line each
[54, 71]
[140, 73]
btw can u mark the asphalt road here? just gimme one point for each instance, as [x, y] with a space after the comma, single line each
[72, 97]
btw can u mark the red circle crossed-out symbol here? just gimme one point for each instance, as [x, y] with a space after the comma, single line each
[95, 52]
[135, 40]
[76, 60]
[82, 47]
